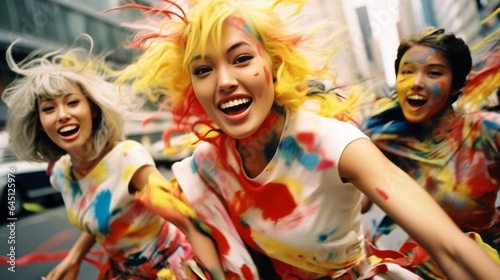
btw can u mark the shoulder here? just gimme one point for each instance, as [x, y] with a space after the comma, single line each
[205, 151]
[129, 151]
[129, 146]
[327, 128]
[61, 164]
[485, 118]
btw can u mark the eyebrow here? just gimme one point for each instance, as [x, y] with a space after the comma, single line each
[229, 50]
[237, 45]
[427, 66]
[43, 98]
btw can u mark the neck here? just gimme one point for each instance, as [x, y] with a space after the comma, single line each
[438, 127]
[83, 161]
[259, 148]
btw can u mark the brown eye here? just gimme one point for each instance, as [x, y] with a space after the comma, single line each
[201, 70]
[242, 58]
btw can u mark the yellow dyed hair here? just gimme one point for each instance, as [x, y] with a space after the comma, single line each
[170, 38]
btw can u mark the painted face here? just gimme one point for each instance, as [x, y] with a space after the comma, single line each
[67, 119]
[423, 84]
[234, 83]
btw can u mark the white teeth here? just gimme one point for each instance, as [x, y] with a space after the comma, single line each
[233, 103]
[68, 128]
[416, 97]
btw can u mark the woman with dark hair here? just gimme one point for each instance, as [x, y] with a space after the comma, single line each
[454, 156]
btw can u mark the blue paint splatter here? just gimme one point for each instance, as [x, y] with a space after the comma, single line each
[292, 150]
[101, 210]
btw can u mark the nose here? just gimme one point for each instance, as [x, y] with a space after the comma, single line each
[63, 114]
[418, 84]
[226, 83]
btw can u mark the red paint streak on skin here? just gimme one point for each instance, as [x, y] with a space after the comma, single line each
[442, 85]
[237, 23]
[268, 75]
[256, 74]
[260, 49]
[383, 194]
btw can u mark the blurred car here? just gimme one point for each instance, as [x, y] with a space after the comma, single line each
[148, 127]
[22, 183]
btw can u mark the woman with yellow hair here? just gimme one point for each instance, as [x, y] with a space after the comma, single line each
[275, 157]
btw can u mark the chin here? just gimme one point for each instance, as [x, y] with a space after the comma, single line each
[412, 118]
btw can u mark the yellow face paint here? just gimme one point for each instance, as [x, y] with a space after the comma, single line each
[404, 83]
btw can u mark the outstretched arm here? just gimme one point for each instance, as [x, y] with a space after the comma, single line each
[69, 267]
[415, 211]
[164, 198]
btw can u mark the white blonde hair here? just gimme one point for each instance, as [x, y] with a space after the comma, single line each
[49, 75]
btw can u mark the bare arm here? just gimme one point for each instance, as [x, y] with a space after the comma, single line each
[69, 267]
[415, 211]
[164, 198]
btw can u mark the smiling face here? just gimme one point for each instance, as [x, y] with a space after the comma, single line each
[234, 82]
[423, 84]
[67, 118]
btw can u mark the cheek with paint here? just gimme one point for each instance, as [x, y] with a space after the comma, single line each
[404, 84]
[267, 75]
[437, 90]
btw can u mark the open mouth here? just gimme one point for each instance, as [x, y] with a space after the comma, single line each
[416, 100]
[68, 130]
[236, 106]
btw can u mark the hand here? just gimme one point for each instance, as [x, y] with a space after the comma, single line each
[65, 270]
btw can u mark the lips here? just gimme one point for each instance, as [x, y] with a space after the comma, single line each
[235, 106]
[68, 130]
[416, 100]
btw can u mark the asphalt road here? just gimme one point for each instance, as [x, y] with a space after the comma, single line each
[30, 232]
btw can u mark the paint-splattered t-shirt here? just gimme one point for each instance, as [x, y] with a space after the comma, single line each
[297, 210]
[136, 240]
[459, 166]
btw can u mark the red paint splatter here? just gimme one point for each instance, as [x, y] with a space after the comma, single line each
[268, 76]
[222, 243]
[281, 204]
[247, 272]
[324, 164]
[306, 139]
[383, 194]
